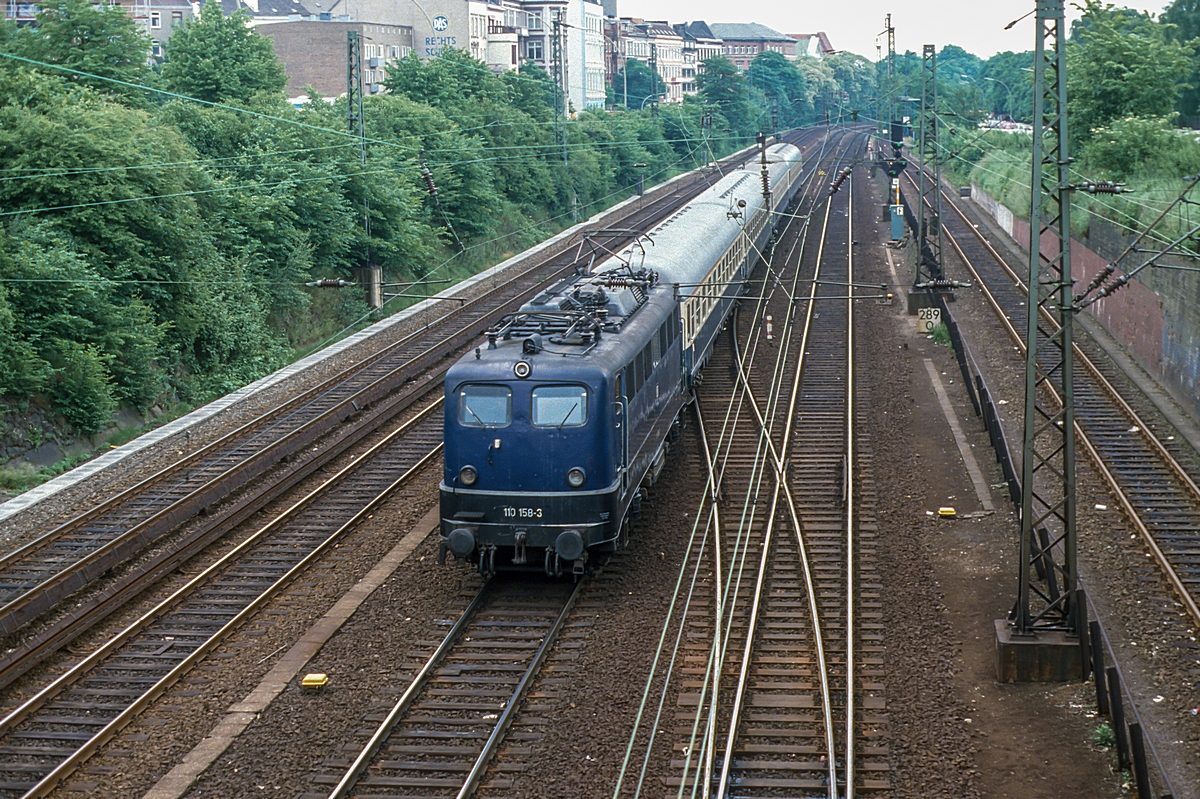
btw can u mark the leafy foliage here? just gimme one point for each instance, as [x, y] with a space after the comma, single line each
[636, 83]
[721, 85]
[1008, 87]
[1120, 64]
[1141, 147]
[92, 43]
[784, 85]
[1184, 17]
[79, 385]
[219, 58]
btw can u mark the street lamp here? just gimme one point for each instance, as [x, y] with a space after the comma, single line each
[974, 83]
[1008, 93]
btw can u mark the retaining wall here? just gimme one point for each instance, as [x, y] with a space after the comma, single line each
[1156, 317]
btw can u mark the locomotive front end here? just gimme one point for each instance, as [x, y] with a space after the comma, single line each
[528, 479]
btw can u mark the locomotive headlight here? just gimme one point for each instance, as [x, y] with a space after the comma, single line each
[576, 477]
[467, 475]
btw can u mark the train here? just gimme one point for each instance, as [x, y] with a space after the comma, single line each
[557, 424]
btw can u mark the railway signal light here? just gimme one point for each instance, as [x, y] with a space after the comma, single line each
[894, 167]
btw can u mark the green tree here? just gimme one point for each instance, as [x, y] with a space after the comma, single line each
[953, 62]
[22, 372]
[1122, 64]
[99, 40]
[822, 90]
[855, 76]
[722, 85]
[635, 83]
[782, 82]
[80, 385]
[219, 58]
[1007, 86]
[531, 91]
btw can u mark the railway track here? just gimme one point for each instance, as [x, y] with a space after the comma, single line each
[64, 561]
[39, 574]
[773, 666]
[429, 745]
[440, 736]
[1157, 493]
[52, 733]
[57, 729]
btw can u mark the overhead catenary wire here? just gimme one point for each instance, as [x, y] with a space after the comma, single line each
[737, 568]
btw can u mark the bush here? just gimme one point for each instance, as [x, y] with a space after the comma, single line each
[1145, 147]
[80, 386]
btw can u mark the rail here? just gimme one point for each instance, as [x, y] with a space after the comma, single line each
[1111, 698]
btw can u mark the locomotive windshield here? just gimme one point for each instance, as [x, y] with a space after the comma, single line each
[484, 406]
[559, 406]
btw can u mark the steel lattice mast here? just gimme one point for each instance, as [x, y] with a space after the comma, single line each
[929, 210]
[1048, 456]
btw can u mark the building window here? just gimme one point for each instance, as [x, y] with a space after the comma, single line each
[155, 19]
[156, 48]
[535, 20]
[176, 16]
[533, 49]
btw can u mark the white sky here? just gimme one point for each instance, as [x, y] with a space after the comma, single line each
[975, 25]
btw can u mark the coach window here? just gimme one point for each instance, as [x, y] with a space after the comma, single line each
[484, 406]
[560, 406]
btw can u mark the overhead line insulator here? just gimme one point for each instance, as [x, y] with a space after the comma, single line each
[330, 283]
[841, 177]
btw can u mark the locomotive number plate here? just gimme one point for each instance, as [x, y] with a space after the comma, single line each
[522, 513]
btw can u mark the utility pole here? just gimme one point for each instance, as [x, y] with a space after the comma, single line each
[654, 72]
[559, 67]
[766, 176]
[370, 276]
[897, 133]
[1048, 620]
[929, 269]
[558, 70]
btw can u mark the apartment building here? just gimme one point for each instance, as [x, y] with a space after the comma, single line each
[743, 41]
[699, 45]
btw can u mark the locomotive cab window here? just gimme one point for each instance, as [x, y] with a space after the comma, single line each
[484, 406]
[560, 406]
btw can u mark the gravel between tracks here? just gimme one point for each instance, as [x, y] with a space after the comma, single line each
[169, 729]
[957, 733]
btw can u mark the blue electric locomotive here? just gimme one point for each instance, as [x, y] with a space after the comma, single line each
[557, 423]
